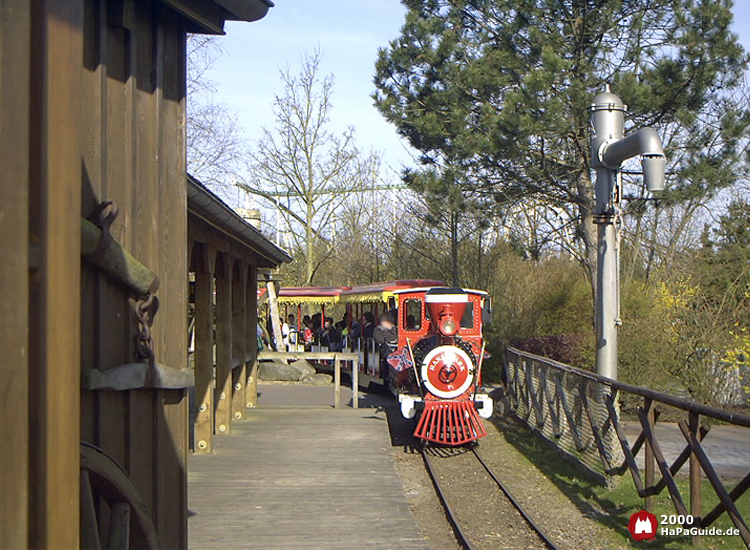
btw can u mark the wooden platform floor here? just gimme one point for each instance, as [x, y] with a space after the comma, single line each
[312, 478]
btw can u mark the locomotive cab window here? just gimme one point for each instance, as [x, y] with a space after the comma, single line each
[468, 319]
[412, 314]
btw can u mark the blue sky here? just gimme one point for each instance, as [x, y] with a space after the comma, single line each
[349, 33]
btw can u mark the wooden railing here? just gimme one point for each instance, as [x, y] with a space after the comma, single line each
[579, 412]
[335, 356]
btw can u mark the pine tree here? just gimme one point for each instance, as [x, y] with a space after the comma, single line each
[498, 91]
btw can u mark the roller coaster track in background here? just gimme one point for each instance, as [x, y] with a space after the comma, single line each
[461, 536]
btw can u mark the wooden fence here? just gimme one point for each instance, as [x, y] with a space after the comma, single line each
[579, 412]
[336, 357]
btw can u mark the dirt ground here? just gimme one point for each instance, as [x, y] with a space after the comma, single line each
[487, 519]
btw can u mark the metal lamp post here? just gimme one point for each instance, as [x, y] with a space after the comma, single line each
[609, 149]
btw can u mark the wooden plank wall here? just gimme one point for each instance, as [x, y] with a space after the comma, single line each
[54, 235]
[134, 153]
[15, 26]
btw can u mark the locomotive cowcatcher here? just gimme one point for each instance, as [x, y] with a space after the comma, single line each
[436, 368]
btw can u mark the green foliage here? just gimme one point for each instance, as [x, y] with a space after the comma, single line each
[539, 298]
[499, 90]
[725, 268]
[649, 350]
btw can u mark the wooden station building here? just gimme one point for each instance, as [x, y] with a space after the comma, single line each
[94, 377]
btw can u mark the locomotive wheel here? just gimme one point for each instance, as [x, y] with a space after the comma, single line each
[129, 524]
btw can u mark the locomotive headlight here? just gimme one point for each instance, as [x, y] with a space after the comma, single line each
[448, 327]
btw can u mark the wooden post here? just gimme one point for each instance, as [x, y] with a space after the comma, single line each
[223, 414]
[239, 336]
[696, 507]
[337, 382]
[204, 350]
[14, 273]
[251, 340]
[355, 385]
[14, 270]
[648, 467]
[54, 180]
[273, 303]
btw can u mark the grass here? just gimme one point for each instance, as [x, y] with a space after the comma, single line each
[612, 507]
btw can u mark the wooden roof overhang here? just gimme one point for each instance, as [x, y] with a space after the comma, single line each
[212, 222]
[209, 16]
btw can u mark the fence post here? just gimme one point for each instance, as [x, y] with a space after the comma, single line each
[336, 381]
[355, 385]
[648, 405]
[696, 507]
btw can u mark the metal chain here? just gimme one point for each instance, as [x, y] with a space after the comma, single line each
[144, 311]
[145, 307]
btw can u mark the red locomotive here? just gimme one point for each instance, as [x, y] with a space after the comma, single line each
[436, 369]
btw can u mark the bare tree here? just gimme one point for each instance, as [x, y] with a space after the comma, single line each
[214, 143]
[305, 169]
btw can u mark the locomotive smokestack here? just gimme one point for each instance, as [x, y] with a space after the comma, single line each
[446, 308]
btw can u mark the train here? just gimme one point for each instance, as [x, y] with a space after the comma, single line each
[435, 367]
[436, 370]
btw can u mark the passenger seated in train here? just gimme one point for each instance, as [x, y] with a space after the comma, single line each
[330, 337]
[386, 338]
[340, 330]
[353, 331]
[307, 332]
[369, 325]
[287, 328]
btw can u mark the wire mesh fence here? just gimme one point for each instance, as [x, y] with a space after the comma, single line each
[578, 412]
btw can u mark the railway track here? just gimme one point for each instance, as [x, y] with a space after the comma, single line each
[468, 537]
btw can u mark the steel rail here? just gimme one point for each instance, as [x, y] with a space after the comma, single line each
[461, 537]
[551, 545]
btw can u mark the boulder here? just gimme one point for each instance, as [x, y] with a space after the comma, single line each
[274, 371]
[317, 380]
[305, 366]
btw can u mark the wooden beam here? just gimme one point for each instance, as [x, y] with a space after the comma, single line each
[629, 457]
[204, 232]
[204, 352]
[239, 337]
[223, 395]
[14, 271]
[208, 16]
[295, 355]
[648, 465]
[696, 504]
[337, 382]
[55, 206]
[251, 338]
[275, 317]
[725, 499]
[115, 260]
[661, 461]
